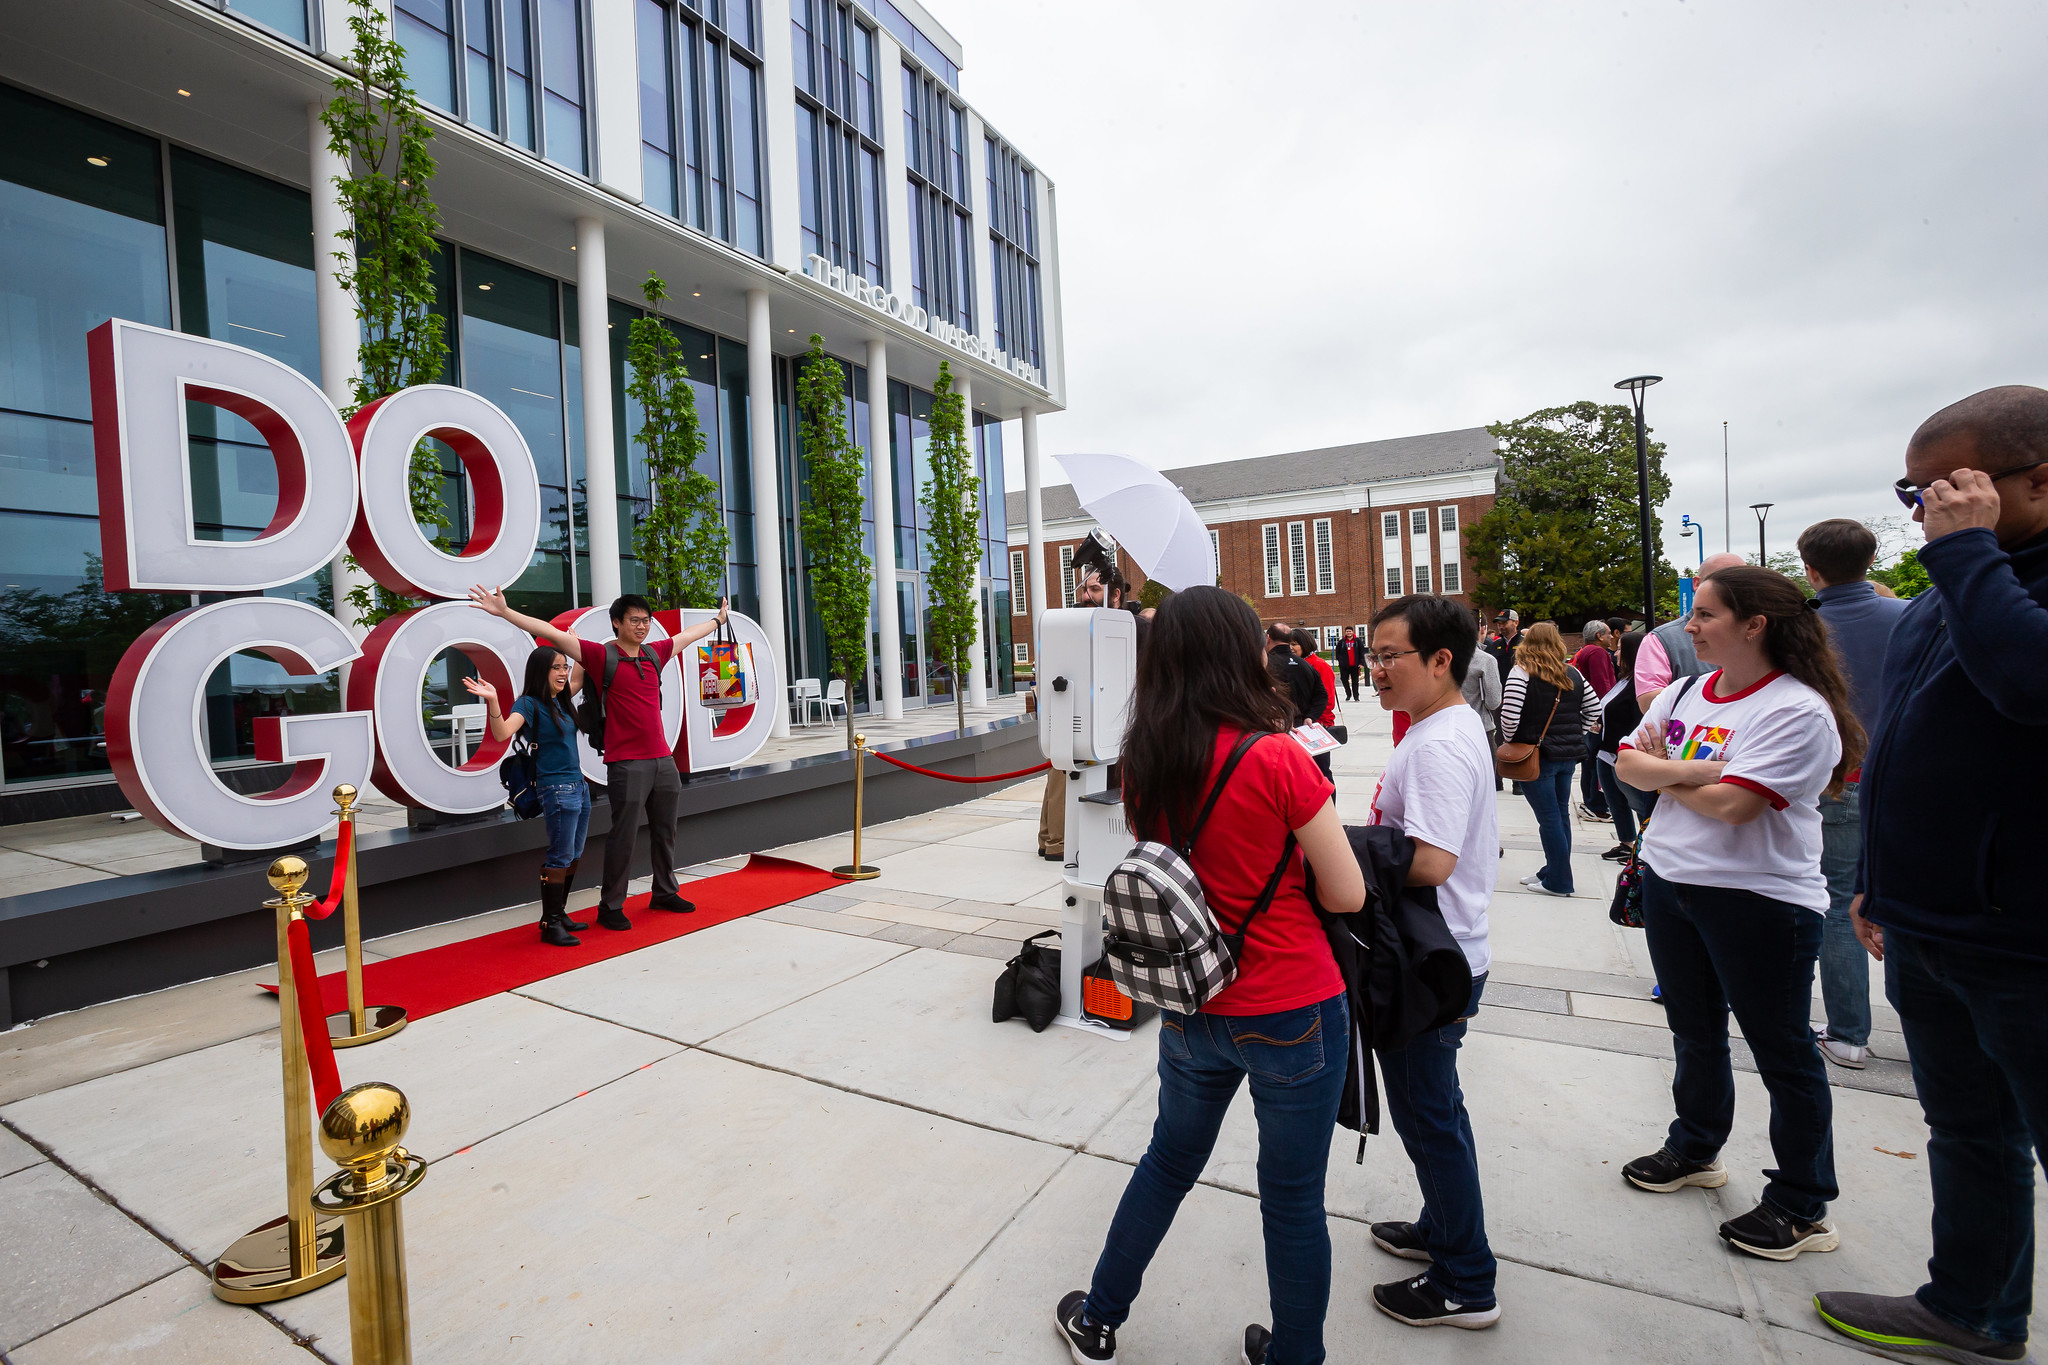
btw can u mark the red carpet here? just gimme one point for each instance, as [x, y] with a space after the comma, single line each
[438, 979]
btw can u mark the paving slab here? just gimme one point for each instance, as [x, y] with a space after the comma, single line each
[15, 1154]
[700, 1210]
[174, 1321]
[1553, 932]
[1015, 835]
[839, 922]
[953, 872]
[837, 850]
[882, 889]
[1208, 1281]
[470, 1072]
[705, 983]
[916, 1030]
[948, 920]
[66, 1252]
[1822, 1346]
[932, 828]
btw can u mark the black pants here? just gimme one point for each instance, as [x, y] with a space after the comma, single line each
[1590, 794]
[641, 786]
[1349, 676]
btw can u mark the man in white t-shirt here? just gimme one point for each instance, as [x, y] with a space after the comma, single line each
[1438, 790]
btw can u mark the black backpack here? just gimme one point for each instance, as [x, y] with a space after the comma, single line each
[590, 711]
[519, 774]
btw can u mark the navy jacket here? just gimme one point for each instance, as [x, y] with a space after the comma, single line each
[1955, 788]
[1860, 624]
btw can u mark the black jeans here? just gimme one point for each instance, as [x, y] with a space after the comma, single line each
[1717, 950]
[641, 785]
[1979, 1043]
[1590, 794]
[1349, 677]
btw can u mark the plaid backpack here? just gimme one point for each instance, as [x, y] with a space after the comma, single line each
[1164, 946]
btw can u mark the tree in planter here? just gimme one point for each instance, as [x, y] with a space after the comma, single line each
[1561, 542]
[682, 540]
[375, 124]
[952, 504]
[840, 573]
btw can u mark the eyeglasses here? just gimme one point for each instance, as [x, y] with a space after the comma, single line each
[1385, 658]
[1910, 493]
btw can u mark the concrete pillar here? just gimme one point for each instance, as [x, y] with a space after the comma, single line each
[1034, 529]
[977, 674]
[882, 478]
[335, 311]
[600, 472]
[767, 496]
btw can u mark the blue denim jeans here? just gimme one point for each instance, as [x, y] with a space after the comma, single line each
[1296, 1061]
[1979, 1043]
[1550, 796]
[1428, 1110]
[566, 808]
[1844, 965]
[1717, 950]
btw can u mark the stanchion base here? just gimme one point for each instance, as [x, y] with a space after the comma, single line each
[258, 1267]
[380, 1021]
[850, 873]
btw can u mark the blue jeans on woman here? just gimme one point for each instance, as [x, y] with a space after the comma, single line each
[1296, 1060]
[1550, 796]
[566, 808]
[1718, 950]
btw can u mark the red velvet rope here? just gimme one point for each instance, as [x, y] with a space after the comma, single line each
[344, 850]
[313, 1019]
[949, 777]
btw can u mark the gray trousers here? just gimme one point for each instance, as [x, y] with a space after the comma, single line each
[649, 787]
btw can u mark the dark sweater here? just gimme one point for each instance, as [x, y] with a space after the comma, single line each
[1860, 623]
[1955, 796]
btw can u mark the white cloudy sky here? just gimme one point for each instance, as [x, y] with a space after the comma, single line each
[1289, 226]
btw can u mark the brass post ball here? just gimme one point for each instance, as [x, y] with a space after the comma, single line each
[288, 874]
[344, 795]
[364, 1123]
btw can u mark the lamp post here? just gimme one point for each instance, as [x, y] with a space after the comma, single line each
[1762, 510]
[1695, 532]
[1635, 389]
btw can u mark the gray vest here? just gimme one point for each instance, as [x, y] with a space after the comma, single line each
[1678, 649]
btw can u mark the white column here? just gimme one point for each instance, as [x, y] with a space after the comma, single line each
[882, 478]
[335, 311]
[767, 496]
[1034, 530]
[977, 676]
[600, 472]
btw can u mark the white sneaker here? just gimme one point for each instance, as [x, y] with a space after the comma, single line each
[1533, 879]
[1539, 889]
[1842, 1054]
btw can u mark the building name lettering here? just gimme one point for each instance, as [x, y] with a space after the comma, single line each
[857, 288]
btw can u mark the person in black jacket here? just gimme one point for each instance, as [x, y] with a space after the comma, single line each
[1350, 662]
[1299, 685]
[1951, 900]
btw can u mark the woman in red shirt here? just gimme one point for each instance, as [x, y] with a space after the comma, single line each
[1202, 684]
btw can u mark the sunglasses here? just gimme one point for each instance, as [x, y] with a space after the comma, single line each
[1910, 494]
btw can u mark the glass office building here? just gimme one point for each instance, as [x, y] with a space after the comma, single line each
[160, 167]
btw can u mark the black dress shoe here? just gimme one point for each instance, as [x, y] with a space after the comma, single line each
[669, 900]
[608, 918]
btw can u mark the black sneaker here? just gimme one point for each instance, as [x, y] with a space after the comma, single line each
[1091, 1342]
[1399, 1239]
[1663, 1171]
[608, 918]
[1257, 1340]
[1903, 1325]
[669, 900]
[1417, 1303]
[1777, 1236]
[1620, 853]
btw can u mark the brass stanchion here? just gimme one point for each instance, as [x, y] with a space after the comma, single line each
[359, 1023]
[857, 871]
[360, 1131]
[297, 1252]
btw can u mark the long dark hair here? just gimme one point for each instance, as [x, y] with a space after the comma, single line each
[1795, 641]
[1631, 645]
[1203, 667]
[539, 664]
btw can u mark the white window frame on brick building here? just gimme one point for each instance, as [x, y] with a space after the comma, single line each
[1269, 538]
[1326, 568]
[1297, 558]
[1216, 553]
[1020, 605]
[1066, 575]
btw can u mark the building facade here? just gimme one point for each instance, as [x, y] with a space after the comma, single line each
[1317, 538]
[788, 167]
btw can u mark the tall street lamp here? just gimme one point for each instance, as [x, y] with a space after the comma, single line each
[1762, 510]
[1690, 529]
[1635, 388]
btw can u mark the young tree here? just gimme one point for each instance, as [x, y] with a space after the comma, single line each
[682, 540]
[375, 124]
[841, 575]
[1562, 540]
[952, 503]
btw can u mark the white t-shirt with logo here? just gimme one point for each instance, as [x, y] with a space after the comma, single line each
[1439, 789]
[1778, 738]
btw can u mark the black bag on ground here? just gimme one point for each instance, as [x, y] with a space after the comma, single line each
[1030, 984]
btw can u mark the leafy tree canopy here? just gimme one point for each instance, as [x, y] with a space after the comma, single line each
[682, 539]
[841, 574]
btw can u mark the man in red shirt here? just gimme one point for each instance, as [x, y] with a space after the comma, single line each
[1595, 662]
[640, 767]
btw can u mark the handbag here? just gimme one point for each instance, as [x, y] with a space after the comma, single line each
[1626, 909]
[1030, 984]
[519, 774]
[725, 676]
[1524, 762]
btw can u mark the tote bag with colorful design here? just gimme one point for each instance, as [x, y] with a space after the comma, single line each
[725, 672]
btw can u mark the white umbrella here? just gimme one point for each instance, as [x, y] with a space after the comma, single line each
[1146, 515]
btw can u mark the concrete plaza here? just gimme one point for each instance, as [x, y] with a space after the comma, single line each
[798, 1137]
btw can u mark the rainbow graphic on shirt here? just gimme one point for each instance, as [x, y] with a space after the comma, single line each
[1706, 742]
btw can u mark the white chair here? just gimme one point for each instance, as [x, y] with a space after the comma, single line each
[463, 718]
[807, 695]
[835, 697]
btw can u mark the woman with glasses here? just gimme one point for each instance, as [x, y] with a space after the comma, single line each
[1733, 894]
[1547, 703]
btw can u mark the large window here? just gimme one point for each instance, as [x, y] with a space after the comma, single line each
[1326, 568]
[1019, 604]
[941, 229]
[914, 42]
[286, 16]
[700, 116]
[1297, 559]
[512, 67]
[1013, 251]
[838, 137]
[1270, 534]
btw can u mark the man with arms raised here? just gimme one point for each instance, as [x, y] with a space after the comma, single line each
[640, 768]
[1438, 790]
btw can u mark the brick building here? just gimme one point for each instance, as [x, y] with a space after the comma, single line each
[1319, 538]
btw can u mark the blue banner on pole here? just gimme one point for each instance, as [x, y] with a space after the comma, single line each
[1684, 596]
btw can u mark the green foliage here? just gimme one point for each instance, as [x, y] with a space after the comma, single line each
[1905, 577]
[1788, 563]
[1561, 542]
[375, 124]
[682, 540]
[952, 501]
[841, 574]
[1154, 593]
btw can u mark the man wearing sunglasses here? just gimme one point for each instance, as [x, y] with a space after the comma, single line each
[1954, 803]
